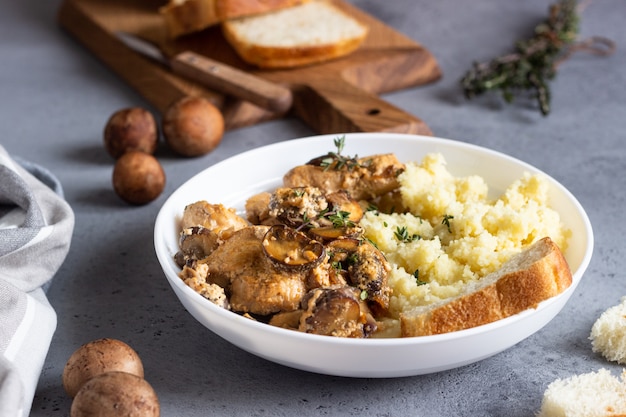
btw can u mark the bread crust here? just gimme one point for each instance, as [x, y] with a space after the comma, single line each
[528, 278]
[468, 311]
[229, 9]
[545, 278]
[190, 16]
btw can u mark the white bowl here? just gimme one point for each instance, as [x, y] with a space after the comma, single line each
[232, 181]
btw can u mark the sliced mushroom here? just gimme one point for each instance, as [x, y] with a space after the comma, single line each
[369, 273]
[335, 312]
[287, 319]
[290, 249]
[321, 160]
[328, 233]
[196, 243]
[342, 201]
[341, 249]
[339, 257]
[364, 267]
[341, 220]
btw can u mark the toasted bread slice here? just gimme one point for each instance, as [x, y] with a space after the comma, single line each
[310, 33]
[187, 16]
[529, 277]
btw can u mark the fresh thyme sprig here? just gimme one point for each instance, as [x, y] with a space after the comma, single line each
[337, 161]
[339, 218]
[402, 234]
[535, 60]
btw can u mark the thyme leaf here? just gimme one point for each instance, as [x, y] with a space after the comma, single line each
[418, 281]
[446, 221]
[338, 219]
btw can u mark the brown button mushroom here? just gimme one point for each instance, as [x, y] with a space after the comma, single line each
[116, 394]
[130, 129]
[138, 178]
[193, 126]
[97, 357]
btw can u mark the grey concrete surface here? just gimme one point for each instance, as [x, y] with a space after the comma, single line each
[56, 97]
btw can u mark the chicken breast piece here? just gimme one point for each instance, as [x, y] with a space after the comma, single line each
[370, 177]
[214, 217]
[253, 283]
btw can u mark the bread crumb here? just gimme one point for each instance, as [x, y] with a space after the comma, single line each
[608, 334]
[594, 394]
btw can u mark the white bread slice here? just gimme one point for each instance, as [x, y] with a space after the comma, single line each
[595, 394]
[537, 273]
[312, 32]
[187, 16]
[608, 334]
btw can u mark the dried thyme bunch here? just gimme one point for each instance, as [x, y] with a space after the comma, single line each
[535, 60]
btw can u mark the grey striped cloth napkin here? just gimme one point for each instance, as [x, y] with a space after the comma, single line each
[36, 226]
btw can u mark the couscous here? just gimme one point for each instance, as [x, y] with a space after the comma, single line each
[453, 232]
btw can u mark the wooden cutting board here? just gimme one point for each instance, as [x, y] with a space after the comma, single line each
[333, 97]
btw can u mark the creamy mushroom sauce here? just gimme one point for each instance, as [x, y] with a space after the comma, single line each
[299, 258]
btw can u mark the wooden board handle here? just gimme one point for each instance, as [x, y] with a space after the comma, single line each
[231, 81]
[332, 106]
